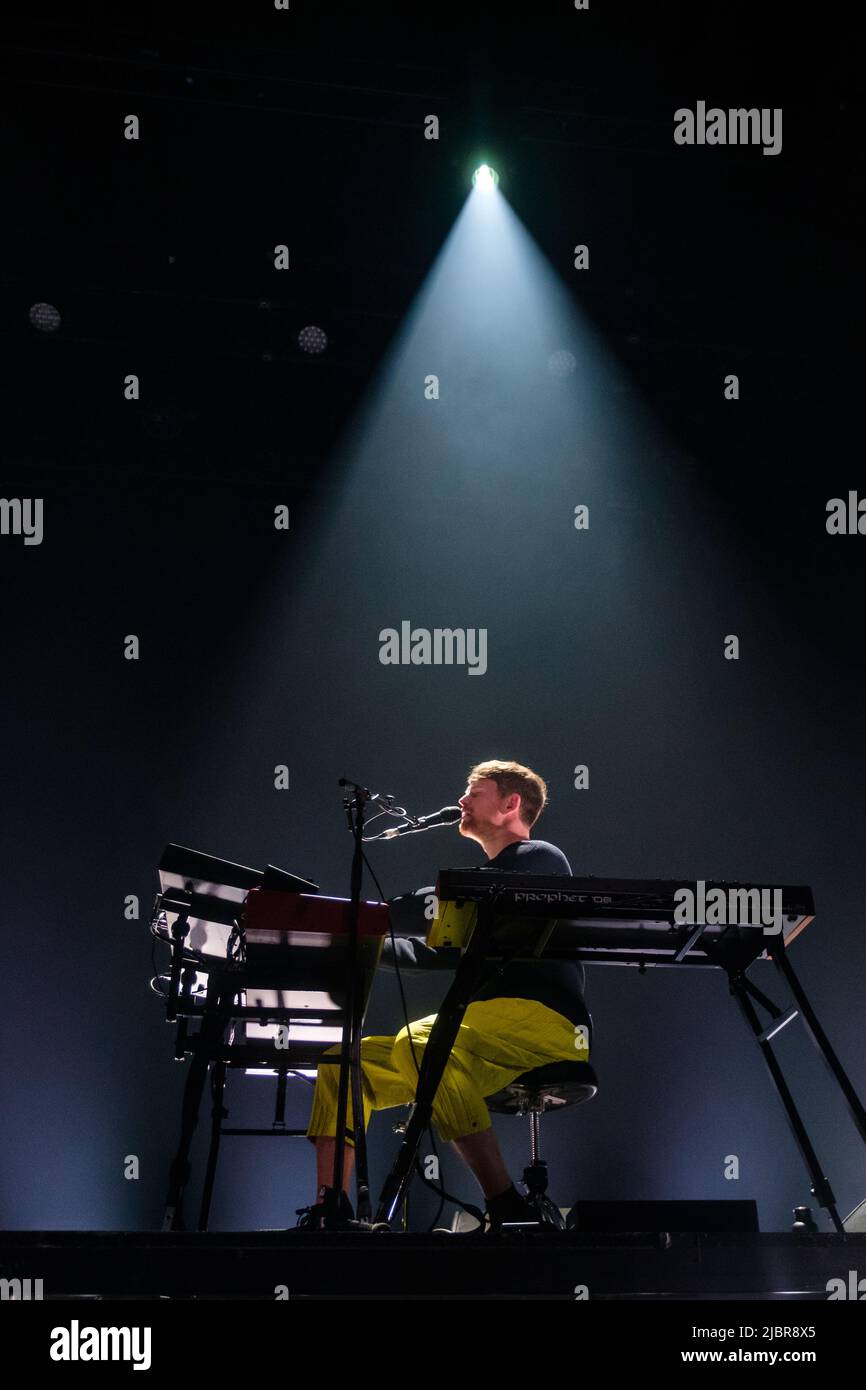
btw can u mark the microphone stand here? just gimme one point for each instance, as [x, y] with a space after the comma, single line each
[350, 1047]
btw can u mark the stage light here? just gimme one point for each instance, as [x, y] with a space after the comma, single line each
[312, 339]
[44, 317]
[485, 179]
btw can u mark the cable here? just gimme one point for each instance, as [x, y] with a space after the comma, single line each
[399, 811]
[156, 974]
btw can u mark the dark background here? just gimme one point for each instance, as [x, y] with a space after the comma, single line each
[259, 647]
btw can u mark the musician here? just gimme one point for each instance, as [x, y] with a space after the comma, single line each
[521, 1016]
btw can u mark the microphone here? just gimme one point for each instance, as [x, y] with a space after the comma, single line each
[447, 816]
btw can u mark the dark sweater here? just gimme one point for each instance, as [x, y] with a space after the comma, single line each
[558, 984]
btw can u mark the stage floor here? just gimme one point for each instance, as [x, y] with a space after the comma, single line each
[268, 1265]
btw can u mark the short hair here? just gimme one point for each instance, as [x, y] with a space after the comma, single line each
[514, 777]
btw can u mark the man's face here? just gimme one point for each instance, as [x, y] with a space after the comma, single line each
[483, 808]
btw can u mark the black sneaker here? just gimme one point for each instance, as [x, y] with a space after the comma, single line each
[511, 1209]
[312, 1218]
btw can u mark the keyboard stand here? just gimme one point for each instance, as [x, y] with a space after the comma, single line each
[742, 988]
[745, 991]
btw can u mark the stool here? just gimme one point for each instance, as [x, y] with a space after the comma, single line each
[550, 1087]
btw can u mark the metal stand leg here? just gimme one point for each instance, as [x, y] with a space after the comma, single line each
[435, 1059]
[820, 1184]
[362, 1178]
[820, 1039]
[208, 1044]
[218, 1114]
[351, 1076]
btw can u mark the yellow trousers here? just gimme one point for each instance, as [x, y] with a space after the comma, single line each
[497, 1041]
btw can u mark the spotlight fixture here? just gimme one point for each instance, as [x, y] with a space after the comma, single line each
[485, 179]
[44, 317]
[312, 339]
